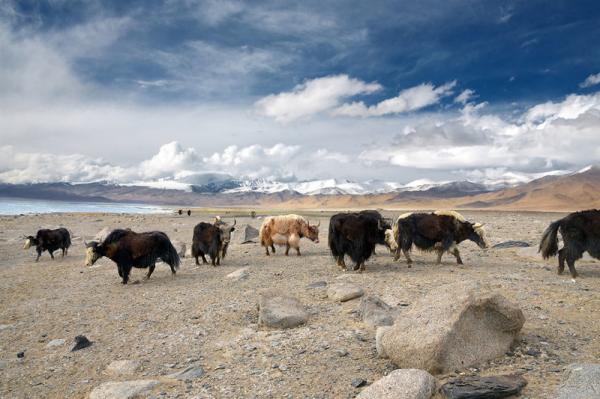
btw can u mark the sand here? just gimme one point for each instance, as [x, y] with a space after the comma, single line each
[201, 318]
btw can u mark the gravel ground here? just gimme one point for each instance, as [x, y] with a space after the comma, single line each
[202, 318]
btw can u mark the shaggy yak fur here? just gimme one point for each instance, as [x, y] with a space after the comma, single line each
[580, 232]
[49, 240]
[439, 231]
[355, 235]
[226, 230]
[286, 230]
[129, 249]
[207, 241]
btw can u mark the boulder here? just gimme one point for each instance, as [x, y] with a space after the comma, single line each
[378, 344]
[344, 291]
[581, 380]
[375, 312]
[401, 384]
[101, 235]
[123, 367]
[122, 390]
[455, 326]
[250, 233]
[239, 274]
[474, 387]
[279, 311]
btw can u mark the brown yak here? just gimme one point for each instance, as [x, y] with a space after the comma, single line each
[286, 230]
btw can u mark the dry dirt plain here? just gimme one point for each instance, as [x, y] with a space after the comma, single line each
[202, 318]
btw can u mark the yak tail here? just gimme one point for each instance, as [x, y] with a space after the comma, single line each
[171, 257]
[549, 243]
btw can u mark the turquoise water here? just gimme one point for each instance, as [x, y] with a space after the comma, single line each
[17, 206]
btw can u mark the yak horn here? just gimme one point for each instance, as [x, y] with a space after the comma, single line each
[318, 224]
[478, 225]
[234, 222]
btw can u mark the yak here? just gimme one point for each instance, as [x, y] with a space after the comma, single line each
[212, 240]
[49, 240]
[129, 249]
[580, 232]
[287, 230]
[439, 231]
[355, 235]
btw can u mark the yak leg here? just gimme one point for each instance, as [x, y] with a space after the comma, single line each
[267, 249]
[407, 256]
[571, 264]
[272, 247]
[125, 269]
[561, 261]
[120, 270]
[39, 252]
[287, 249]
[440, 252]
[204, 261]
[457, 255]
[197, 263]
[63, 252]
[51, 254]
[361, 267]
[298, 251]
[218, 259]
[340, 262]
[150, 270]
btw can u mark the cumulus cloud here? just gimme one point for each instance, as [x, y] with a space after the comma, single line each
[591, 80]
[410, 99]
[313, 96]
[465, 96]
[548, 136]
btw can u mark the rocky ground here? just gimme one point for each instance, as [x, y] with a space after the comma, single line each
[206, 324]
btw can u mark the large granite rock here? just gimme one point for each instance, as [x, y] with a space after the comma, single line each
[581, 381]
[279, 311]
[250, 234]
[401, 384]
[453, 327]
[344, 291]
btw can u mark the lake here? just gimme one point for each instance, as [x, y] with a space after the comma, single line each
[16, 206]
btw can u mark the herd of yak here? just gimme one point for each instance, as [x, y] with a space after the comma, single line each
[354, 234]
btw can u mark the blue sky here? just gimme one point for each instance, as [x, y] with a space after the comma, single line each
[144, 90]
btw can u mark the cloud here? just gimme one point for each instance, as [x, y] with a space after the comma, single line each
[465, 96]
[591, 80]
[410, 99]
[547, 137]
[312, 97]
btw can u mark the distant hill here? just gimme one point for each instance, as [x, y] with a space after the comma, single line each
[570, 192]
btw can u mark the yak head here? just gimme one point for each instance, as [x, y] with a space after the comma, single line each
[94, 251]
[29, 241]
[226, 230]
[478, 235]
[384, 228]
[312, 232]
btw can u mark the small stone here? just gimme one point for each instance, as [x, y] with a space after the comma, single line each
[581, 381]
[483, 387]
[240, 274]
[279, 311]
[359, 382]
[341, 352]
[21, 354]
[375, 312]
[317, 284]
[123, 367]
[189, 373]
[343, 292]
[55, 342]
[81, 342]
[122, 390]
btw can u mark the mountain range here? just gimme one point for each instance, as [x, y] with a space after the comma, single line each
[566, 192]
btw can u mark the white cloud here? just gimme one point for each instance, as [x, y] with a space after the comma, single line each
[591, 80]
[312, 97]
[410, 99]
[465, 96]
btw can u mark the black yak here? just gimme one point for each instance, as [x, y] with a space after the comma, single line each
[580, 232]
[355, 235]
[212, 240]
[49, 240]
[439, 231]
[130, 249]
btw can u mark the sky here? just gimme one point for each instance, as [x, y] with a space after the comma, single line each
[184, 90]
